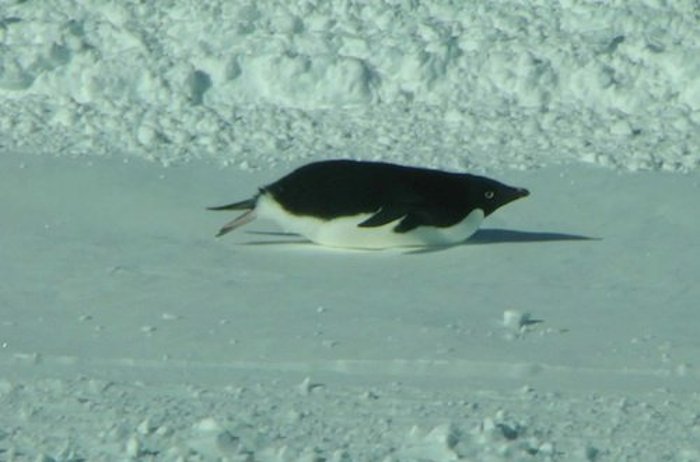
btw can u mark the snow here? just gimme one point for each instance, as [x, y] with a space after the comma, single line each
[565, 329]
[498, 84]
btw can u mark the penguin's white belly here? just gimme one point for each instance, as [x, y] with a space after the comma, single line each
[345, 232]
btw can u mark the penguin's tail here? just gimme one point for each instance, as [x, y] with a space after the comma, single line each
[248, 204]
[237, 222]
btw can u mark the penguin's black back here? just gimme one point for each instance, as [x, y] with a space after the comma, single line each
[336, 188]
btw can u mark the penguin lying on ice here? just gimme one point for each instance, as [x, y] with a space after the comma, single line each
[373, 205]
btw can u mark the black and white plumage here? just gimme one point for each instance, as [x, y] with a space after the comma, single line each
[358, 204]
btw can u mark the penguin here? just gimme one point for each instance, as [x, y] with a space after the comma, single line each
[375, 205]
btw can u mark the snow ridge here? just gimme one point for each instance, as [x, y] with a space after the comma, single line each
[455, 85]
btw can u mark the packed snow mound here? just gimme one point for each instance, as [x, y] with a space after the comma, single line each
[253, 83]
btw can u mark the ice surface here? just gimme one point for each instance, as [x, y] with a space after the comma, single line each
[565, 329]
[116, 296]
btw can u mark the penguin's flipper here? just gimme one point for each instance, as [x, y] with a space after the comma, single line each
[409, 223]
[383, 216]
[237, 222]
[247, 204]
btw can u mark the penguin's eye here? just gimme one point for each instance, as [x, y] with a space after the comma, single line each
[489, 194]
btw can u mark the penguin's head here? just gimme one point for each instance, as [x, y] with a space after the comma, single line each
[490, 195]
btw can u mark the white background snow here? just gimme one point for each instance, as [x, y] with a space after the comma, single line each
[566, 329]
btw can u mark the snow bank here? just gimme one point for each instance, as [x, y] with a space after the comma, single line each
[252, 83]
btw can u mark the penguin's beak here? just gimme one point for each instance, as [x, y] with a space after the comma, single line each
[512, 194]
[521, 192]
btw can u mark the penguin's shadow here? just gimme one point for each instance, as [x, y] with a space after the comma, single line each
[481, 237]
[491, 236]
[500, 236]
[291, 239]
[284, 238]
